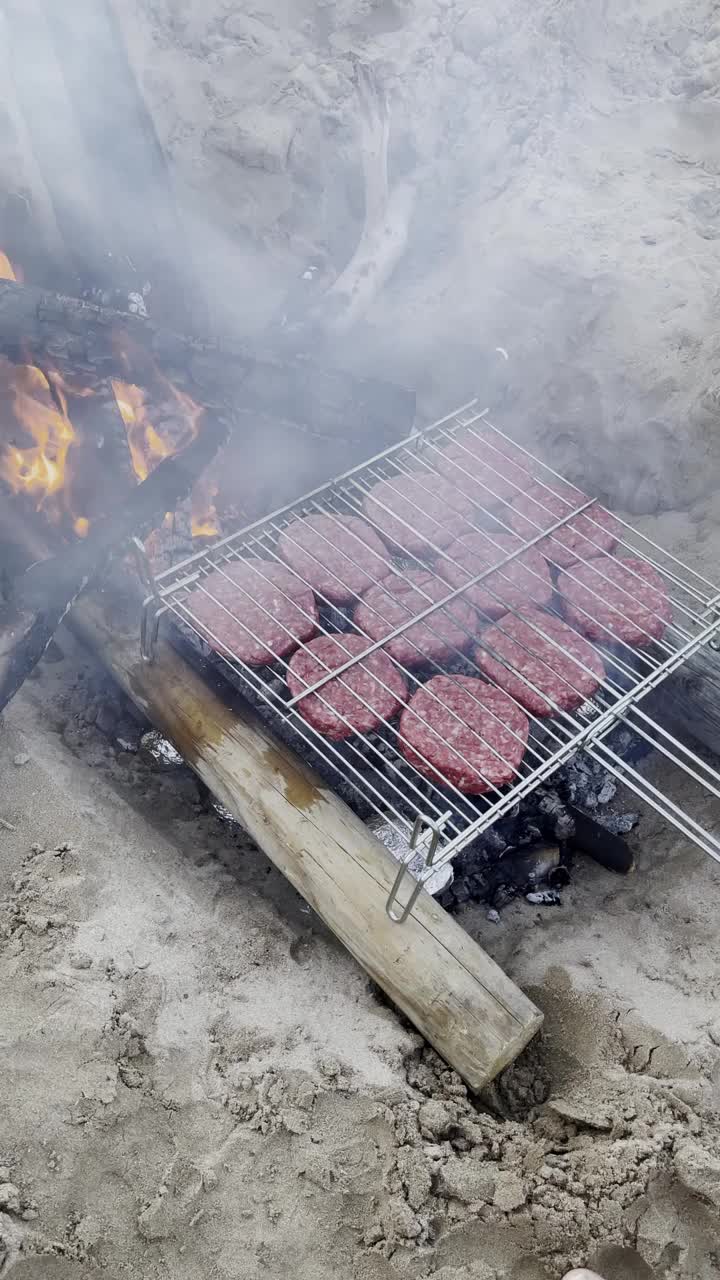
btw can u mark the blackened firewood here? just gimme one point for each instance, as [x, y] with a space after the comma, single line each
[24, 637]
[592, 838]
[40, 598]
[60, 578]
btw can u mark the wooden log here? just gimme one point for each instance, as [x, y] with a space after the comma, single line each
[455, 995]
[79, 336]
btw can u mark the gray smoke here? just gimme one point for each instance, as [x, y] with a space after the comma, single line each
[563, 160]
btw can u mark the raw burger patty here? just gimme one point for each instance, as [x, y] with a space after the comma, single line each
[553, 672]
[456, 728]
[272, 610]
[485, 467]
[435, 510]
[376, 680]
[587, 535]
[632, 606]
[397, 599]
[339, 556]
[520, 582]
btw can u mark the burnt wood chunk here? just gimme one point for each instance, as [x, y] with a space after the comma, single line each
[603, 846]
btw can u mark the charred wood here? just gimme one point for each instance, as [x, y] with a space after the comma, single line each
[688, 704]
[81, 337]
[38, 600]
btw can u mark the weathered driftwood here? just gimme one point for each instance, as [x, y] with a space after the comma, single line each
[80, 336]
[385, 225]
[456, 996]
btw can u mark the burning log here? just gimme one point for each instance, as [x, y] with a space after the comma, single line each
[79, 336]
[37, 601]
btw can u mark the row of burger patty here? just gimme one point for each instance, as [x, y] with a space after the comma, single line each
[457, 730]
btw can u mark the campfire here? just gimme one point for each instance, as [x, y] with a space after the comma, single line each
[58, 431]
[63, 456]
[464, 682]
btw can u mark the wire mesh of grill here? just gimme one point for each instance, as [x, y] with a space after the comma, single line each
[460, 479]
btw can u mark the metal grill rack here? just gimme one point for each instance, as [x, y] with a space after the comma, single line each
[437, 819]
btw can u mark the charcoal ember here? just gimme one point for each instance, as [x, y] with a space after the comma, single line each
[558, 821]
[159, 750]
[563, 827]
[277, 686]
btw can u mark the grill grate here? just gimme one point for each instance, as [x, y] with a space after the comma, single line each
[439, 818]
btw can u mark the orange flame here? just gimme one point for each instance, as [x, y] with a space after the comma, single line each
[148, 447]
[203, 514]
[37, 434]
[6, 268]
[39, 407]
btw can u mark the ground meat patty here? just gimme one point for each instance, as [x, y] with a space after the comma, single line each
[487, 468]
[340, 556]
[523, 581]
[595, 531]
[339, 709]
[548, 666]
[623, 599]
[415, 510]
[258, 610]
[400, 597]
[460, 730]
